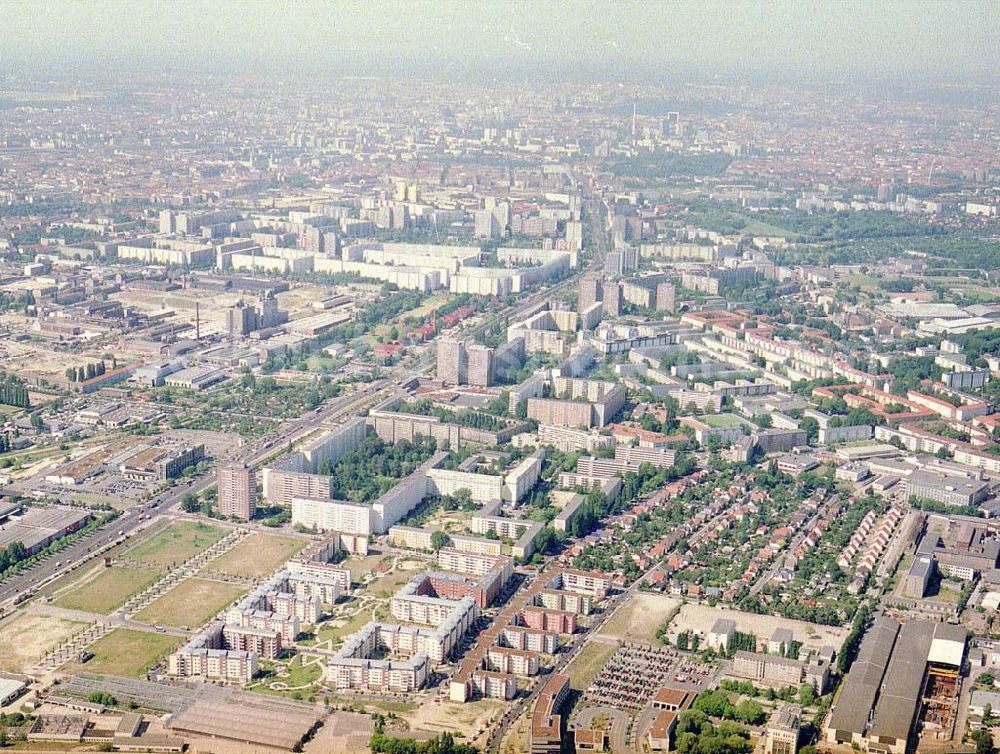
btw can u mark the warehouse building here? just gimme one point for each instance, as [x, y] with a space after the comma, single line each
[900, 671]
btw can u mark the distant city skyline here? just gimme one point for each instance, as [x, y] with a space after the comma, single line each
[920, 43]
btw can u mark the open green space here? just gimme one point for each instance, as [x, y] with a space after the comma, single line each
[338, 628]
[588, 663]
[108, 589]
[192, 603]
[300, 674]
[256, 556]
[176, 544]
[129, 653]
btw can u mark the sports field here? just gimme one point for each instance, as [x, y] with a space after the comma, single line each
[176, 544]
[108, 589]
[191, 603]
[128, 653]
[256, 556]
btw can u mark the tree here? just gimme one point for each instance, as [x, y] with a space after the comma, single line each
[102, 697]
[811, 428]
[440, 540]
[189, 503]
[807, 694]
[750, 712]
[984, 741]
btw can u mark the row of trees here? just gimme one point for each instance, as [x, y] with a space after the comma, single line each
[89, 372]
[12, 555]
[445, 743]
[13, 391]
[849, 650]
[466, 418]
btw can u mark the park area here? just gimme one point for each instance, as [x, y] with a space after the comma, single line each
[106, 589]
[256, 556]
[27, 636]
[191, 603]
[176, 544]
[128, 653]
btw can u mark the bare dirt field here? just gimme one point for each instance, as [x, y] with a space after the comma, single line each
[342, 733]
[465, 720]
[25, 637]
[639, 617]
[514, 741]
[701, 618]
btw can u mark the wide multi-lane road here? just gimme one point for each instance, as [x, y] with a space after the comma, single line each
[34, 579]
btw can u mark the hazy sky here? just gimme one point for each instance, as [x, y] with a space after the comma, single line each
[932, 40]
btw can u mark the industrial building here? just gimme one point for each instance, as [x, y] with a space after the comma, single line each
[901, 670]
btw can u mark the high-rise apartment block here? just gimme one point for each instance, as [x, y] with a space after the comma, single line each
[461, 364]
[591, 291]
[481, 365]
[236, 490]
[666, 297]
[452, 361]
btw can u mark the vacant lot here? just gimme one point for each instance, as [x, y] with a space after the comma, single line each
[464, 721]
[176, 544]
[588, 662]
[108, 589]
[639, 617]
[701, 618]
[256, 556]
[129, 653]
[26, 637]
[191, 603]
[343, 733]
